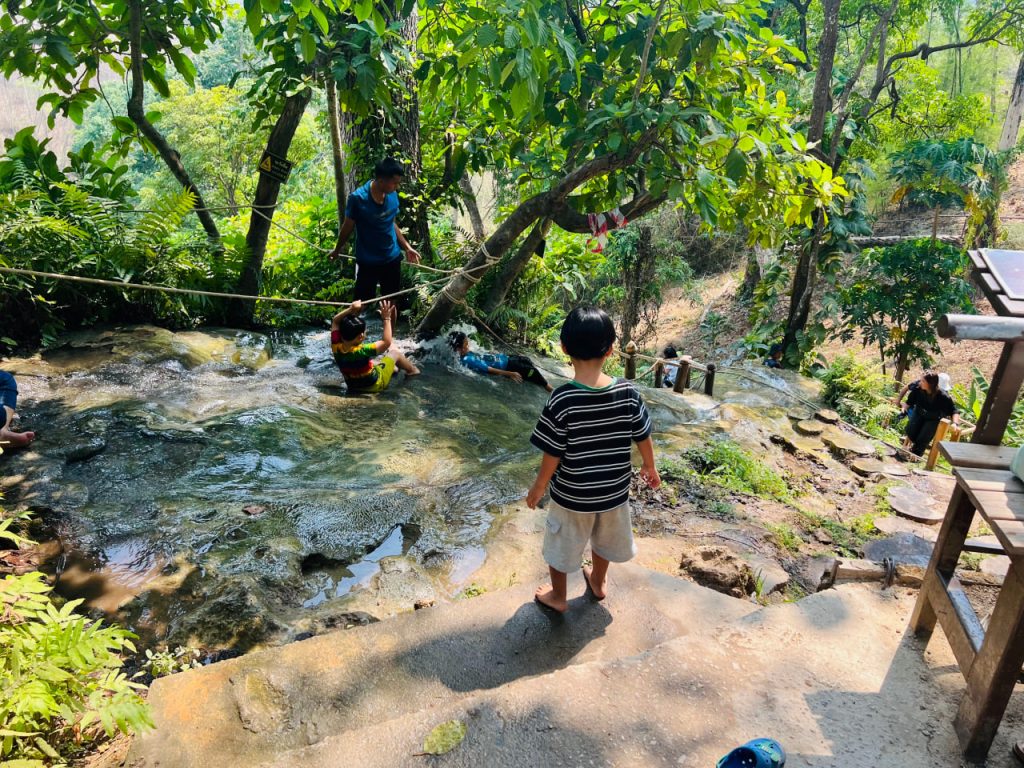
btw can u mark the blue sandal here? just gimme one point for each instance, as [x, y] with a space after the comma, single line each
[759, 753]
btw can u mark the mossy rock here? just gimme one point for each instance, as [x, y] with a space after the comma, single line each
[867, 467]
[845, 445]
[827, 415]
[800, 415]
[809, 427]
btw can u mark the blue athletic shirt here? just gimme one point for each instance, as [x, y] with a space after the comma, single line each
[480, 363]
[376, 242]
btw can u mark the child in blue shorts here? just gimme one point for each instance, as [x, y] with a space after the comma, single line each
[515, 367]
[9, 401]
[586, 432]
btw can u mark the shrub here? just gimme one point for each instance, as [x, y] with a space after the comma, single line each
[726, 464]
[59, 673]
[859, 393]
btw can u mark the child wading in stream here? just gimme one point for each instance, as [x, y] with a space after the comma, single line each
[354, 358]
[586, 431]
[515, 367]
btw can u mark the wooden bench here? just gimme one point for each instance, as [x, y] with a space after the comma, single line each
[989, 660]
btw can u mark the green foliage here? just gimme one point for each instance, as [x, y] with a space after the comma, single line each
[896, 295]
[859, 393]
[724, 463]
[785, 537]
[945, 173]
[848, 538]
[161, 663]
[444, 738]
[970, 399]
[60, 674]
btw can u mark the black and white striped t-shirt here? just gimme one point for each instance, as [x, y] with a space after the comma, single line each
[591, 431]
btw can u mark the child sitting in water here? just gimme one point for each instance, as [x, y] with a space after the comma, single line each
[354, 358]
[8, 402]
[515, 367]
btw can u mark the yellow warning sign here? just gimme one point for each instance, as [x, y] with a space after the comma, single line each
[275, 167]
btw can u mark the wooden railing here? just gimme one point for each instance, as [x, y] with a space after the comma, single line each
[685, 364]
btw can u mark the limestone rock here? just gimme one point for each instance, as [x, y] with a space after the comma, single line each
[827, 415]
[799, 415]
[867, 467]
[84, 450]
[809, 427]
[845, 445]
[719, 569]
[892, 525]
[915, 505]
[995, 566]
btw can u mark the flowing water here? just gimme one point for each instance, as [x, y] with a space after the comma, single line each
[221, 488]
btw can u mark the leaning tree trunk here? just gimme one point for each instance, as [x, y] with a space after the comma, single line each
[510, 269]
[137, 114]
[1014, 112]
[553, 203]
[264, 204]
[806, 269]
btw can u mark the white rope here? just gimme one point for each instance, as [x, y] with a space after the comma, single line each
[320, 248]
[213, 294]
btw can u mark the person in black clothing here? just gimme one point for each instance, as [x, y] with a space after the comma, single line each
[930, 405]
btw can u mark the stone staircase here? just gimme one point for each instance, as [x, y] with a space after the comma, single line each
[662, 673]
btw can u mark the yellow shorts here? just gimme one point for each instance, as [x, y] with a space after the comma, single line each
[385, 369]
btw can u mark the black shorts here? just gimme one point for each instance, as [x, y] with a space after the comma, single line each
[368, 276]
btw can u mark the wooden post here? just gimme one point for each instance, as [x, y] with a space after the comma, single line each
[659, 374]
[631, 360]
[933, 454]
[709, 380]
[1002, 394]
[683, 374]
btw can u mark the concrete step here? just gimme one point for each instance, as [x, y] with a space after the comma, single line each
[836, 678]
[239, 712]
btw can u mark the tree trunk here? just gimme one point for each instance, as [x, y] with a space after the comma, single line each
[806, 269]
[1014, 112]
[935, 225]
[751, 275]
[264, 204]
[510, 269]
[552, 202]
[137, 114]
[337, 152]
[472, 209]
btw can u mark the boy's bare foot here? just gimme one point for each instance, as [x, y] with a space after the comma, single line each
[597, 590]
[16, 439]
[414, 372]
[545, 595]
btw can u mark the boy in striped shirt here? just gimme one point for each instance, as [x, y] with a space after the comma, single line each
[586, 431]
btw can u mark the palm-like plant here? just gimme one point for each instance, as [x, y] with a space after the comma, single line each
[941, 174]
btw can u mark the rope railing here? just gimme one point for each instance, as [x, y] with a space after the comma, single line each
[211, 294]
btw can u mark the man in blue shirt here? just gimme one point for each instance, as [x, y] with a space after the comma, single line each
[370, 212]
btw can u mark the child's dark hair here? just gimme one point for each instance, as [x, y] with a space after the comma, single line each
[387, 168]
[351, 326]
[587, 333]
[456, 339]
[670, 353]
[775, 349]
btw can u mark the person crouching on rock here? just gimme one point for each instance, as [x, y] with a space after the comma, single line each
[586, 431]
[354, 358]
[515, 367]
[9, 400]
[929, 404]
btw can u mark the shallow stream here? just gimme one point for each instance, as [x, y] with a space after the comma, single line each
[220, 488]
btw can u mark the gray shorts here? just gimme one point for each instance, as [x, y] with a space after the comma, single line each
[566, 535]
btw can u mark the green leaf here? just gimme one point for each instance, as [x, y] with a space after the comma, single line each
[124, 125]
[445, 737]
[253, 16]
[308, 43]
[319, 18]
[362, 10]
[735, 165]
